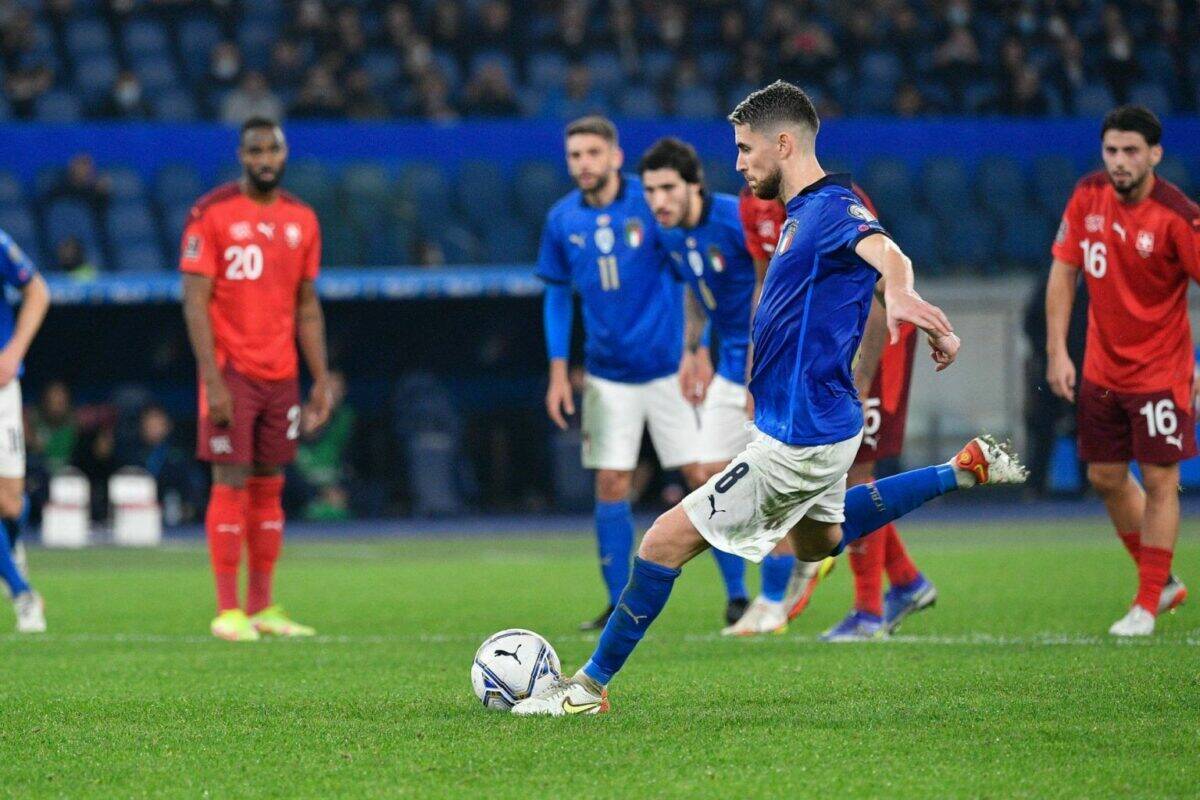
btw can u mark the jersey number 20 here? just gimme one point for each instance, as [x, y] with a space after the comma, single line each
[243, 263]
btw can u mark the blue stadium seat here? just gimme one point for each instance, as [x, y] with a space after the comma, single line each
[177, 184]
[507, 241]
[545, 70]
[1093, 100]
[383, 66]
[494, 58]
[12, 193]
[483, 194]
[341, 244]
[889, 183]
[696, 102]
[639, 102]
[1173, 169]
[175, 219]
[1000, 184]
[715, 65]
[126, 183]
[537, 186]
[140, 257]
[5, 110]
[448, 64]
[87, 36]
[175, 105]
[1027, 239]
[130, 222]
[969, 240]
[391, 244]
[459, 245]
[1054, 177]
[880, 68]
[366, 191]
[1153, 96]
[720, 175]
[94, 77]
[71, 218]
[945, 186]
[255, 39]
[312, 182]
[145, 37]
[197, 37]
[605, 67]
[157, 74]
[425, 188]
[58, 106]
[656, 65]
[917, 235]
[19, 224]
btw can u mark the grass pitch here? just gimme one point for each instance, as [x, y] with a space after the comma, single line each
[1009, 688]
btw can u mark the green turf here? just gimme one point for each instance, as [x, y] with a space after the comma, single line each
[1009, 688]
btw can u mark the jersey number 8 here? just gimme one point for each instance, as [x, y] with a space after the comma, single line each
[243, 263]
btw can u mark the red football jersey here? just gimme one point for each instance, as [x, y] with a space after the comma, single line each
[1136, 259]
[257, 256]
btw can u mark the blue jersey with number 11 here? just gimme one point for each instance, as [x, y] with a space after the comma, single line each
[632, 301]
[15, 270]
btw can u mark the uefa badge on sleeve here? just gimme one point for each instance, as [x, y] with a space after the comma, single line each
[191, 248]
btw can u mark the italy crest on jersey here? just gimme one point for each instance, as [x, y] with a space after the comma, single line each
[605, 239]
[716, 258]
[634, 233]
[786, 235]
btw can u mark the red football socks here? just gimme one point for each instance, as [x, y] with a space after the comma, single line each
[866, 562]
[1132, 542]
[264, 537]
[226, 529]
[1154, 568]
[900, 568]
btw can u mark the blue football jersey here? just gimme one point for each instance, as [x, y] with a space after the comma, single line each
[15, 270]
[632, 299]
[713, 257]
[811, 316]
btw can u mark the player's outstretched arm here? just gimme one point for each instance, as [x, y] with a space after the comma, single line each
[1060, 299]
[35, 301]
[557, 312]
[310, 330]
[197, 293]
[903, 304]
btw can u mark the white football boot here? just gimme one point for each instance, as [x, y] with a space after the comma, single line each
[761, 617]
[31, 612]
[564, 698]
[1173, 595]
[1138, 622]
[983, 460]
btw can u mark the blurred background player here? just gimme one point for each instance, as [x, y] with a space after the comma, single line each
[882, 374]
[701, 232]
[18, 271]
[1136, 238]
[601, 241]
[250, 256]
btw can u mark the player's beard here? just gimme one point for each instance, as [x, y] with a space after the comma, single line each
[768, 188]
[265, 185]
[1130, 188]
[600, 185]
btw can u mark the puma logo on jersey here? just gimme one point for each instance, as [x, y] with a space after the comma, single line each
[267, 229]
[1175, 440]
[1120, 230]
[577, 239]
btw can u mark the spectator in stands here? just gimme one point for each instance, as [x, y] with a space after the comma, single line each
[24, 85]
[1119, 65]
[399, 26]
[1024, 98]
[909, 102]
[671, 26]
[80, 181]
[622, 28]
[362, 103]
[432, 97]
[349, 38]
[808, 54]
[320, 97]
[94, 456]
[224, 66]
[494, 29]
[571, 34]
[446, 29]
[71, 258]
[956, 61]
[126, 99]
[287, 65]
[489, 93]
[860, 35]
[905, 39]
[252, 98]
[52, 429]
[321, 462]
[312, 24]
[180, 487]
[1068, 74]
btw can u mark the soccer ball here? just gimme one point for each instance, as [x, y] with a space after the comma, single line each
[512, 665]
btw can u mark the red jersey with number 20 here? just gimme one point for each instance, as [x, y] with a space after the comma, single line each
[1136, 259]
[257, 255]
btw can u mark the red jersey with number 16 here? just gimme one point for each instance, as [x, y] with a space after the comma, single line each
[1136, 259]
[257, 255]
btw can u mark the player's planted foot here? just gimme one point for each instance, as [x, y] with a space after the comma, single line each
[1173, 595]
[858, 626]
[598, 623]
[984, 460]
[234, 626]
[805, 577]
[735, 609]
[761, 617]
[1138, 622]
[31, 612]
[272, 621]
[577, 695]
[903, 601]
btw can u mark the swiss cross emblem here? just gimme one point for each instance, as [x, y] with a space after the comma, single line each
[1144, 243]
[1094, 223]
[291, 233]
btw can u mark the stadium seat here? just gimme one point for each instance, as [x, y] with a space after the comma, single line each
[175, 219]
[391, 244]
[88, 36]
[880, 68]
[197, 37]
[917, 234]
[1054, 176]
[507, 241]
[605, 68]
[968, 241]
[639, 102]
[365, 190]
[889, 183]
[715, 65]
[1093, 101]
[145, 37]
[71, 218]
[945, 186]
[130, 222]
[58, 106]
[19, 224]
[157, 74]
[1027, 240]
[126, 183]
[94, 78]
[720, 175]
[177, 184]
[459, 245]
[1153, 96]
[311, 181]
[426, 190]
[12, 193]
[175, 105]
[383, 66]
[538, 185]
[1000, 184]
[695, 102]
[255, 39]
[1173, 169]
[545, 70]
[139, 257]
[482, 193]
[656, 66]
[448, 65]
[341, 244]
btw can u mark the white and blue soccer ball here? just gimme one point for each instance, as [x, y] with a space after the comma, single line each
[512, 665]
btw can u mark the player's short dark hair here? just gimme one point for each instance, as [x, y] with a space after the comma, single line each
[671, 153]
[779, 102]
[1136, 119]
[257, 123]
[594, 124]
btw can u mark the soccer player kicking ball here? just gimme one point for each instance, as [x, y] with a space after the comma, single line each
[250, 257]
[791, 479]
[18, 271]
[1136, 238]
[601, 241]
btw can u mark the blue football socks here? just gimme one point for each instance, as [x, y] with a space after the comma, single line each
[10, 574]
[733, 573]
[873, 505]
[614, 534]
[776, 572]
[639, 605]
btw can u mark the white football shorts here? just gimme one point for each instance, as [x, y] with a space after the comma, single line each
[724, 428]
[767, 488]
[615, 414]
[12, 432]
